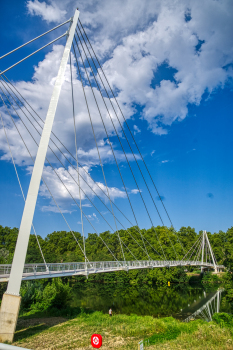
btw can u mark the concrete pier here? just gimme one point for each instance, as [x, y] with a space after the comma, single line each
[9, 316]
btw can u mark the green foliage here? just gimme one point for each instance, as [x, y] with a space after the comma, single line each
[210, 278]
[222, 244]
[223, 319]
[38, 295]
[60, 246]
[172, 329]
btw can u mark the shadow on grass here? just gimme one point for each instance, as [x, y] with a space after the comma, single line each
[35, 322]
[30, 331]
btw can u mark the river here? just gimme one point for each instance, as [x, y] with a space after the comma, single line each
[178, 300]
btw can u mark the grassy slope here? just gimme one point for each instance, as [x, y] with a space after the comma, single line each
[120, 332]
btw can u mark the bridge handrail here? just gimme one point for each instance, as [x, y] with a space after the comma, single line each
[77, 266]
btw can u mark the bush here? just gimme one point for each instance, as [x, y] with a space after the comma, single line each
[37, 297]
[223, 319]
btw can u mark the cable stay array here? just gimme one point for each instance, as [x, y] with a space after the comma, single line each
[97, 92]
[201, 252]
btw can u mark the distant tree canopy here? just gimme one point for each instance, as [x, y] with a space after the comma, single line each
[60, 246]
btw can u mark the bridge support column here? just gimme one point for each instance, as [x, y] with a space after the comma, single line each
[9, 316]
[202, 250]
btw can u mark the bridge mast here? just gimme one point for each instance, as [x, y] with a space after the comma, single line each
[11, 299]
[211, 252]
[203, 248]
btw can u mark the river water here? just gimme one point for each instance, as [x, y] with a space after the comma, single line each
[178, 300]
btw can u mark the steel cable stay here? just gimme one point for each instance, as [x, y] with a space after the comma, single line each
[135, 158]
[76, 153]
[80, 77]
[111, 143]
[74, 169]
[101, 164]
[42, 177]
[30, 41]
[198, 251]
[125, 122]
[9, 84]
[120, 240]
[21, 189]
[103, 192]
[77, 183]
[66, 186]
[51, 42]
[124, 151]
[193, 246]
[120, 144]
[207, 249]
[53, 196]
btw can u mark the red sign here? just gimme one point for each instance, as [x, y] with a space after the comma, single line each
[96, 340]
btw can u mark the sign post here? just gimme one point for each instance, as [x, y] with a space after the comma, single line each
[140, 345]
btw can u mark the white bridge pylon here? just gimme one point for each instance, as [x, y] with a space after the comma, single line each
[202, 251]
[11, 299]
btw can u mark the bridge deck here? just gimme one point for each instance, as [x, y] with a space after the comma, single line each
[39, 271]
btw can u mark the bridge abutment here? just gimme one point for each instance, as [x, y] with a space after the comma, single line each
[9, 316]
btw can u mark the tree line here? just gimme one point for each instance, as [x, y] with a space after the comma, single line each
[60, 246]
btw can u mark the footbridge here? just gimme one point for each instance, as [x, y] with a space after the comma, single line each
[104, 120]
[39, 271]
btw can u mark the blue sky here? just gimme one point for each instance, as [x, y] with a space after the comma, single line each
[171, 67]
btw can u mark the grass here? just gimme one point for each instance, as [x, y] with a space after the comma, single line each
[120, 332]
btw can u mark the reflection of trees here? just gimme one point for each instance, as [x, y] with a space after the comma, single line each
[141, 300]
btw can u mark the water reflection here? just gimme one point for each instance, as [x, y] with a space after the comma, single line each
[206, 307]
[179, 301]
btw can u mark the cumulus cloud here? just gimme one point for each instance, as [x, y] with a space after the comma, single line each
[176, 41]
[49, 13]
[192, 38]
[62, 193]
[38, 93]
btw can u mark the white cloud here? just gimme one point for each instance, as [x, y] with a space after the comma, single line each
[135, 191]
[49, 13]
[136, 129]
[171, 39]
[38, 93]
[151, 33]
[164, 161]
[90, 217]
[61, 194]
[54, 209]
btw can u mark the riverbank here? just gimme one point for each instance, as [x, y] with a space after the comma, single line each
[120, 332]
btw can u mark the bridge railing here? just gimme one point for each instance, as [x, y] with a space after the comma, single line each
[100, 265]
